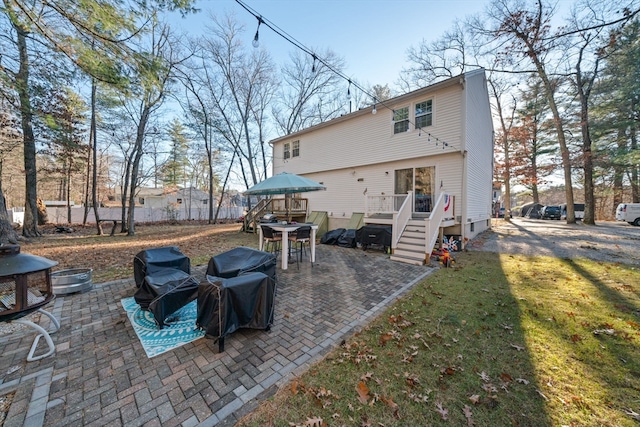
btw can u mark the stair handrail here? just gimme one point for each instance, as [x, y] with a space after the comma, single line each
[401, 219]
[432, 224]
[255, 212]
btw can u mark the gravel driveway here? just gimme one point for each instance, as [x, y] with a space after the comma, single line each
[606, 241]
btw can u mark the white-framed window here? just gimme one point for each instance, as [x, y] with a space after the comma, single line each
[401, 120]
[179, 201]
[424, 114]
[287, 151]
[295, 148]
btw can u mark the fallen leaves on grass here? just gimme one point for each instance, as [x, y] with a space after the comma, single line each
[444, 413]
[468, 415]
[363, 393]
[311, 422]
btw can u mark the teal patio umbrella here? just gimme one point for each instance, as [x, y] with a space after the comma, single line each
[284, 183]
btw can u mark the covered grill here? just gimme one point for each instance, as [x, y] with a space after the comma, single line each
[269, 219]
[25, 286]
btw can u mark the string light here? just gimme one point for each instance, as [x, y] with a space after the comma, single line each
[294, 42]
[255, 41]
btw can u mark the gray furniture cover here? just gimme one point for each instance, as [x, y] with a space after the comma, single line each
[238, 292]
[164, 282]
[241, 260]
[228, 304]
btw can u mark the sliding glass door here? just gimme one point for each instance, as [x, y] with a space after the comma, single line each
[421, 181]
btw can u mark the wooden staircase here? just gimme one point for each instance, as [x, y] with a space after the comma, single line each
[411, 246]
[419, 235]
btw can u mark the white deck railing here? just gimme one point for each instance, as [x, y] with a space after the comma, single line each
[384, 204]
[442, 207]
[401, 219]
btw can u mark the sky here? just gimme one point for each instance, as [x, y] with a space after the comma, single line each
[372, 36]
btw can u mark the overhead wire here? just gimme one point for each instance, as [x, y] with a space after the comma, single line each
[289, 38]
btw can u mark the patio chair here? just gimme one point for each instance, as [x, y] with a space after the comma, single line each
[164, 282]
[301, 237]
[272, 239]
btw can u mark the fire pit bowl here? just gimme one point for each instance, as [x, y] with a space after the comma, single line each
[25, 286]
[71, 280]
[25, 282]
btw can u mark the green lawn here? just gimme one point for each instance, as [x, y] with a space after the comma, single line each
[498, 340]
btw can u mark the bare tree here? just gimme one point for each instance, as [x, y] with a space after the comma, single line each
[450, 55]
[524, 31]
[504, 106]
[157, 65]
[311, 91]
[590, 46]
[237, 84]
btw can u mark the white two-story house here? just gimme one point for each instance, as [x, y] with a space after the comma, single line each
[421, 162]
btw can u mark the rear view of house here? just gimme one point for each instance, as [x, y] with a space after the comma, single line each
[421, 162]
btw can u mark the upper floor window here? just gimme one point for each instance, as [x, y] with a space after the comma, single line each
[295, 148]
[401, 120]
[424, 114]
[287, 150]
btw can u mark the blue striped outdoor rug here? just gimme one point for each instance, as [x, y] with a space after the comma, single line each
[180, 327]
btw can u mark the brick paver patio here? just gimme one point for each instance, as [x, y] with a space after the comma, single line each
[100, 375]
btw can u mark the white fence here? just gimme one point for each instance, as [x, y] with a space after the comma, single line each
[59, 215]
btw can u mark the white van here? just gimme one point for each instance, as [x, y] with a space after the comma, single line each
[629, 212]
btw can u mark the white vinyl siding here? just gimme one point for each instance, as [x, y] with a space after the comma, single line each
[351, 186]
[368, 139]
[479, 146]
[355, 155]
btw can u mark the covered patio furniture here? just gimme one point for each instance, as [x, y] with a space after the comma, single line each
[331, 237]
[228, 304]
[374, 235]
[241, 260]
[164, 282]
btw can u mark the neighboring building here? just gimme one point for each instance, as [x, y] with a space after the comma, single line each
[434, 144]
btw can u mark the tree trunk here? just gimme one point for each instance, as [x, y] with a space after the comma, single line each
[618, 171]
[135, 167]
[93, 142]
[30, 222]
[68, 192]
[7, 234]
[635, 168]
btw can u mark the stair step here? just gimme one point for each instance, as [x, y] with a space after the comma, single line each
[412, 239]
[411, 246]
[413, 234]
[407, 260]
[409, 253]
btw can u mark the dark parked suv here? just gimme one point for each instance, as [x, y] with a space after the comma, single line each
[550, 212]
